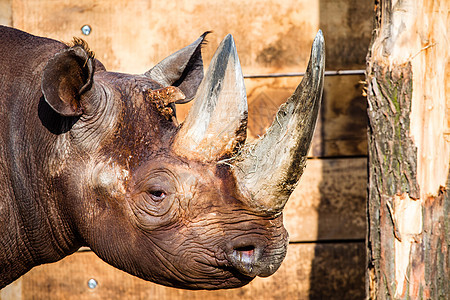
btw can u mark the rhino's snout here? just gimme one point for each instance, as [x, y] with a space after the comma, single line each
[253, 258]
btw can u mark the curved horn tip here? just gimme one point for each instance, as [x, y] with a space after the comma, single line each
[319, 41]
[270, 168]
[319, 35]
[228, 37]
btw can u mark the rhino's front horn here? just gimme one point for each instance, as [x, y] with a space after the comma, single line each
[216, 124]
[268, 170]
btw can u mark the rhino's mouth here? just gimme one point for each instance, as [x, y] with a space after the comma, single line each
[237, 264]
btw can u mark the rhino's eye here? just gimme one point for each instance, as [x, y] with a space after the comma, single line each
[157, 195]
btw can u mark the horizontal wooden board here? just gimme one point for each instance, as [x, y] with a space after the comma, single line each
[271, 36]
[329, 202]
[319, 271]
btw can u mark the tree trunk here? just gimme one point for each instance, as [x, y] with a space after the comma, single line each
[409, 151]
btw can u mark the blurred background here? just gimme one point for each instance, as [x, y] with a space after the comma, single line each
[325, 216]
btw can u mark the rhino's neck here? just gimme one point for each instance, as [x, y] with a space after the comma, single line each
[29, 217]
[33, 229]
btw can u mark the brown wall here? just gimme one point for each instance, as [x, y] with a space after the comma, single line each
[326, 214]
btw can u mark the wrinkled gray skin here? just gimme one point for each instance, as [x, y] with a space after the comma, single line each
[91, 164]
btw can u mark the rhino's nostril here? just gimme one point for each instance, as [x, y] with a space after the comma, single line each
[244, 258]
[246, 250]
[252, 256]
[246, 253]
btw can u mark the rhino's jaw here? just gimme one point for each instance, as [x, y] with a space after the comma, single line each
[209, 260]
[254, 251]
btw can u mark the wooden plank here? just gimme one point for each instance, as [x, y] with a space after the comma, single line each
[271, 36]
[342, 129]
[5, 12]
[335, 270]
[347, 25]
[132, 35]
[12, 291]
[329, 202]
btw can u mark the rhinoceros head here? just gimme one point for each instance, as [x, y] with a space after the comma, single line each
[188, 205]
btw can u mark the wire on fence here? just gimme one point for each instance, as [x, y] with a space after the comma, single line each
[327, 73]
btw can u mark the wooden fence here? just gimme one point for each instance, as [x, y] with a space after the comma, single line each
[325, 216]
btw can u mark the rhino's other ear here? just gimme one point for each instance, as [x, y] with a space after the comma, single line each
[67, 76]
[183, 69]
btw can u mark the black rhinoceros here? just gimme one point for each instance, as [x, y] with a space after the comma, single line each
[96, 158]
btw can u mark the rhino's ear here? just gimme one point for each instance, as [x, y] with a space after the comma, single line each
[183, 69]
[67, 76]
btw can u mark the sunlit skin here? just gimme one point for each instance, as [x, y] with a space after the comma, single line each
[185, 220]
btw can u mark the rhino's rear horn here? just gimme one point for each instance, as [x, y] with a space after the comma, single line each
[268, 170]
[217, 122]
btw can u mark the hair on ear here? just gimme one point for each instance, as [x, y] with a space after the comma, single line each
[204, 35]
[79, 42]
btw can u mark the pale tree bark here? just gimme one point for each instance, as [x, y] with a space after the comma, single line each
[409, 151]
